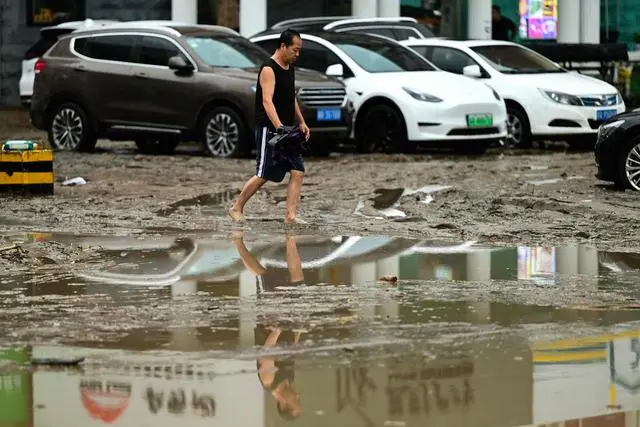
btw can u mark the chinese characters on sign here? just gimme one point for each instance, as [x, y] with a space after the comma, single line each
[409, 391]
[176, 402]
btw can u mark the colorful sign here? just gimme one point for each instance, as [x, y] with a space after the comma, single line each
[538, 19]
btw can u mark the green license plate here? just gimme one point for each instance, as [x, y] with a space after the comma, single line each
[479, 120]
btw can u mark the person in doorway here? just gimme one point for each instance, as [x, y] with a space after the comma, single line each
[277, 110]
[502, 28]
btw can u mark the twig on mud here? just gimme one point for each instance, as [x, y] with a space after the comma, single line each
[10, 248]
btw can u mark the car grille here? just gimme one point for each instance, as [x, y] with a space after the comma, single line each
[599, 101]
[322, 97]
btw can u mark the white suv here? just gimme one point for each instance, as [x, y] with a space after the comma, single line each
[48, 37]
[401, 99]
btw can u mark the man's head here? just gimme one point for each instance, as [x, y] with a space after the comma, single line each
[288, 402]
[495, 13]
[289, 45]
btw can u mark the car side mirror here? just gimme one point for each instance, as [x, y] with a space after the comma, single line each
[472, 71]
[179, 64]
[335, 70]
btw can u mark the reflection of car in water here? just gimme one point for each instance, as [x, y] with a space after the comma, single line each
[217, 261]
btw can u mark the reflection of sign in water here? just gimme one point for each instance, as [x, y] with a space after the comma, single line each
[15, 390]
[105, 400]
[429, 389]
[178, 401]
[624, 362]
[537, 264]
[353, 385]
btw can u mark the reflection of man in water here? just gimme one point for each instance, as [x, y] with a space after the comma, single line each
[294, 265]
[276, 375]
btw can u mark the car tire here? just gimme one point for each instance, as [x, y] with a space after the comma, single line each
[518, 127]
[224, 122]
[69, 129]
[629, 154]
[382, 130]
[156, 146]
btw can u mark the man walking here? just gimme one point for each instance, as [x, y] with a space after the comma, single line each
[276, 107]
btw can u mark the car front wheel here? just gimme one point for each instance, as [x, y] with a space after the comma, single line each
[519, 131]
[224, 133]
[382, 131]
[629, 164]
[69, 129]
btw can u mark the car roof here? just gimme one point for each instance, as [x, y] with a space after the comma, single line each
[299, 22]
[334, 37]
[455, 43]
[87, 23]
[176, 28]
[355, 21]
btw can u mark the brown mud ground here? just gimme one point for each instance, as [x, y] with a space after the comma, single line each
[541, 197]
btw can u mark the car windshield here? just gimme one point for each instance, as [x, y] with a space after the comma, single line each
[227, 51]
[510, 59]
[381, 56]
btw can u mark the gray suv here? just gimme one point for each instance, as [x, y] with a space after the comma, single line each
[159, 83]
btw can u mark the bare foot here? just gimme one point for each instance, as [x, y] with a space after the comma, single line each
[295, 221]
[236, 215]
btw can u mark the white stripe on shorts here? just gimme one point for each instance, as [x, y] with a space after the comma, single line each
[263, 149]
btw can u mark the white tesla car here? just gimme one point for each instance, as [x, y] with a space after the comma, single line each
[401, 99]
[544, 101]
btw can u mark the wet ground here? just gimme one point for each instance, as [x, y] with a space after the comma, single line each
[504, 197]
[258, 329]
[434, 289]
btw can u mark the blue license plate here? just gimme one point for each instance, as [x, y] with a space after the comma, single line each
[328, 114]
[605, 114]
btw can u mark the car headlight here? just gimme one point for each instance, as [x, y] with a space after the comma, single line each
[612, 125]
[561, 98]
[421, 96]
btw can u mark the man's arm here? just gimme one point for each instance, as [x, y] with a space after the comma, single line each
[268, 83]
[299, 116]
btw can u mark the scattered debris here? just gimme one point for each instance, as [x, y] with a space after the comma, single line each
[78, 180]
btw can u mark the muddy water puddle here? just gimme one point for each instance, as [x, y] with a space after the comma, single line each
[269, 330]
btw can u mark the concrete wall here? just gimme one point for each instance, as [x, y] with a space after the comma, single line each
[15, 39]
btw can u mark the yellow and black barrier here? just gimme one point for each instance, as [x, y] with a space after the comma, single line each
[26, 171]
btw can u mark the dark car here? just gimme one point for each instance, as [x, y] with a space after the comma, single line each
[159, 83]
[400, 28]
[617, 150]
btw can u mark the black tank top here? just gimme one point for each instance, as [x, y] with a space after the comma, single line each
[284, 96]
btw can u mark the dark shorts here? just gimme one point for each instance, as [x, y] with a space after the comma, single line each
[266, 165]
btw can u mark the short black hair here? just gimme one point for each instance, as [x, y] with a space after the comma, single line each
[287, 37]
[496, 8]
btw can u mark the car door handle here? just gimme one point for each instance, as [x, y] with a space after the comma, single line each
[141, 75]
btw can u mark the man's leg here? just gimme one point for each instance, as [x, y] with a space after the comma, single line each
[236, 212]
[293, 195]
